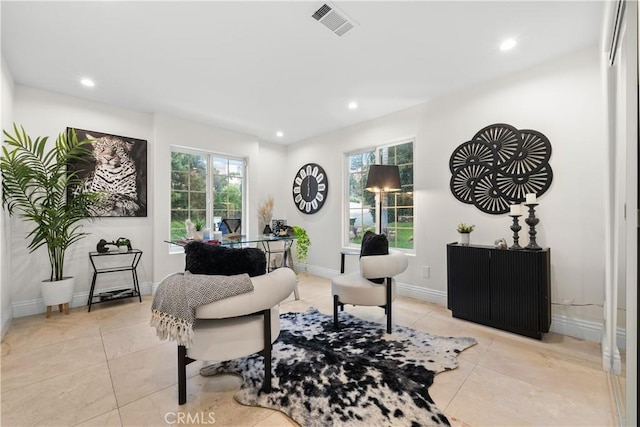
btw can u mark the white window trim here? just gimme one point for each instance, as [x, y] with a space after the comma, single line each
[210, 154]
[346, 244]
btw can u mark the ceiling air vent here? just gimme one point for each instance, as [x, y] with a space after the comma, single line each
[334, 20]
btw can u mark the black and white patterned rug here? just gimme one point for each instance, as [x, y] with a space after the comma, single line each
[357, 375]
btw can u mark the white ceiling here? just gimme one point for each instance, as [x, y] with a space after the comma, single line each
[260, 67]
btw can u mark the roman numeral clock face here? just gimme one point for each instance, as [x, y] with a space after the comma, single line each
[310, 188]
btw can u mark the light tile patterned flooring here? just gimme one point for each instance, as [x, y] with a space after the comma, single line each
[108, 368]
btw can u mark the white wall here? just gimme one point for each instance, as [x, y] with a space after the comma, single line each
[561, 99]
[6, 112]
[171, 131]
[47, 114]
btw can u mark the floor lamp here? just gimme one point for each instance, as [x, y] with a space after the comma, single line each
[382, 179]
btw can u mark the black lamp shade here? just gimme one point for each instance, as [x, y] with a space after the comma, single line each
[383, 178]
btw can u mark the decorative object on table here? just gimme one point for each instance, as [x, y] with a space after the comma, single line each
[514, 213]
[498, 166]
[277, 225]
[500, 243]
[34, 183]
[190, 228]
[382, 179]
[532, 221]
[265, 213]
[199, 226]
[464, 232]
[101, 247]
[117, 166]
[515, 227]
[310, 188]
[348, 368]
[123, 244]
[233, 226]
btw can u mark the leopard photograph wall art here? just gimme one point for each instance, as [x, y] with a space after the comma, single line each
[117, 167]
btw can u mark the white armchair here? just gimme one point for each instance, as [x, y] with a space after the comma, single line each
[238, 326]
[356, 288]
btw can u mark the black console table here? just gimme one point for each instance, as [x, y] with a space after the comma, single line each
[130, 260]
[501, 288]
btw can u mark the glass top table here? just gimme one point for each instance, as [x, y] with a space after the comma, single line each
[238, 240]
[270, 245]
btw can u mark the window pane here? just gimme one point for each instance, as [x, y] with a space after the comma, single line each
[179, 200]
[198, 201]
[406, 175]
[236, 167]
[220, 166]
[361, 213]
[179, 180]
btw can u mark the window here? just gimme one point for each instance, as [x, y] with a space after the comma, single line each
[397, 207]
[205, 187]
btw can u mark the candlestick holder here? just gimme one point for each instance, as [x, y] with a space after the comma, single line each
[515, 228]
[532, 221]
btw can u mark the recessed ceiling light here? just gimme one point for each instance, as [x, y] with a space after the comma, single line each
[353, 105]
[508, 44]
[279, 134]
[87, 82]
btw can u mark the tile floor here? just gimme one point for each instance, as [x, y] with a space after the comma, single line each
[107, 368]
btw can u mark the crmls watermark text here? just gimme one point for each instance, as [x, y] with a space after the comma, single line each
[190, 418]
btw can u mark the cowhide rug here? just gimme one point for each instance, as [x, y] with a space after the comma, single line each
[357, 375]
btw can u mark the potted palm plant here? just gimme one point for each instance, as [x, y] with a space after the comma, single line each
[34, 184]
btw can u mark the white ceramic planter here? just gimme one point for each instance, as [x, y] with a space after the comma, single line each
[57, 292]
[464, 239]
[123, 248]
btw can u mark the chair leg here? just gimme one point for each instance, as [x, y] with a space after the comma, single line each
[389, 299]
[183, 361]
[266, 385]
[182, 375]
[336, 303]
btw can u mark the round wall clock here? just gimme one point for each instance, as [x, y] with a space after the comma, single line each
[310, 188]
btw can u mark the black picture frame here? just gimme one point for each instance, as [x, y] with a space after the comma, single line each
[123, 177]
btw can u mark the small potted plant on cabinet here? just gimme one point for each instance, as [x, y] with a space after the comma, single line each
[34, 184]
[464, 231]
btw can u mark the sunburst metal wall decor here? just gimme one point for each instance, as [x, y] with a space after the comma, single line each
[499, 166]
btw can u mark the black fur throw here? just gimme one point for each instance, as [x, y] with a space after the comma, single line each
[374, 244]
[202, 258]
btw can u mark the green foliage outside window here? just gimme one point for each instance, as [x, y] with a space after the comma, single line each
[190, 173]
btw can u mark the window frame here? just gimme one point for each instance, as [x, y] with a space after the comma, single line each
[209, 200]
[346, 215]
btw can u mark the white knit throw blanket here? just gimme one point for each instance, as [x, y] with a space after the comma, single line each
[173, 311]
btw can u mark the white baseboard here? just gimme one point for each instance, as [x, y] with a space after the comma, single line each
[577, 328]
[36, 306]
[7, 315]
[422, 293]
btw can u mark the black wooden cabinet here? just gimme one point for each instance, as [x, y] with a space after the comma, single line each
[505, 289]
